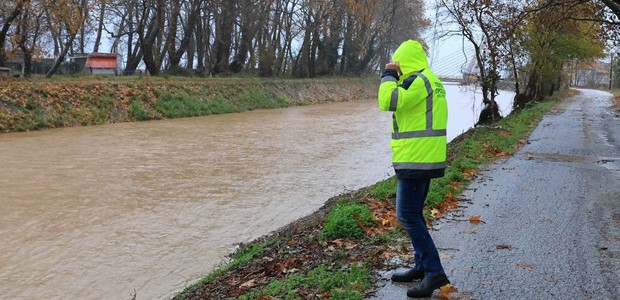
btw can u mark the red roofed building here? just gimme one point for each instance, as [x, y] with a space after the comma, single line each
[99, 63]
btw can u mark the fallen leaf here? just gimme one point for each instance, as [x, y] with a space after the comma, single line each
[501, 247]
[435, 213]
[347, 244]
[471, 232]
[350, 245]
[475, 219]
[385, 213]
[469, 174]
[338, 242]
[452, 204]
[445, 291]
[444, 256]
[249, 284]
[524, 265]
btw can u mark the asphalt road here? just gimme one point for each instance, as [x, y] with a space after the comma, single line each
[550, 214]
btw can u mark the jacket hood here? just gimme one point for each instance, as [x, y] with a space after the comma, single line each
[411, 57]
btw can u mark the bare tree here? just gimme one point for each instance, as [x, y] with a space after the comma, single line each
[102, 8]
[174, 53]
[29, 30]
[149, 29]
[395, 19]
[224, 27]
[71, 14]
[228, 36]
[13, 13]
[483, 24]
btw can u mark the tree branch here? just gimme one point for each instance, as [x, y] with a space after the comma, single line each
[613, 5]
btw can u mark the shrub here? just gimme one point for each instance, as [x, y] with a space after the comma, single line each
[342, 221]
[138, 112]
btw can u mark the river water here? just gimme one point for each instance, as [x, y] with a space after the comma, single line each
[145, 208]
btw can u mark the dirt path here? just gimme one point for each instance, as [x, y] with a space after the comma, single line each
[550, 215]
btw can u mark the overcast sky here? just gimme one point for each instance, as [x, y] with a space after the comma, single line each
[446, 56]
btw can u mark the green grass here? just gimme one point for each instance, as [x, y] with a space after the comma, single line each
[138, 112]
[347, 284]
[259, 98]
[384, 189]
[183, 104]
[342, 221]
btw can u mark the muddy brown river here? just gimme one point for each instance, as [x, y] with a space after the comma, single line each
[146, 208]
[100, 212]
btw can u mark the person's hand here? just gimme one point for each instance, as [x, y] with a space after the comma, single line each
[394, 66]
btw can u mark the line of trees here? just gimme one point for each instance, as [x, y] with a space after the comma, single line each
[300, 38]
[537, 41]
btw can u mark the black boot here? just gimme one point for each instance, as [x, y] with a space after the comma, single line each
[428, 285]
[408, 276]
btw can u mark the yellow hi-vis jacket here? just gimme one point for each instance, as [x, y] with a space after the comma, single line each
[418, 100]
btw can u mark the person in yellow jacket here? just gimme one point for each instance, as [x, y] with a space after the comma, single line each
[417, 99]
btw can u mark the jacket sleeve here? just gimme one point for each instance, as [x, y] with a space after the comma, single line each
[389, 91]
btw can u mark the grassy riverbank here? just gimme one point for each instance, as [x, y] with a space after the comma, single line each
[334, 252]
[35, 104]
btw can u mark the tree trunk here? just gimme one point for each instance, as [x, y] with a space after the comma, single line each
[489, 114]
[191, 53]
[174, 55]
[248, 32]
[83, 12]
[23, 30]
[302, 63]
[614, 5]
[100, 28]
[27, 71]
[61, 58]
[200, 48]
[148, 39]
[5, 29]
[224, 26]
[345, 45]
[134, 61]
[265, 55]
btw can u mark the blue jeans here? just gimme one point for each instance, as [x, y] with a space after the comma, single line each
[410, 197]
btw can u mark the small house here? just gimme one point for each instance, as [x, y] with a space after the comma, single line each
[15, 61]
[99, 63]
[5, 72]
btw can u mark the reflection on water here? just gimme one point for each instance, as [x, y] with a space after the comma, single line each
[100, 212]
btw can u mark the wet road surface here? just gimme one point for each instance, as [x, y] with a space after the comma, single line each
[550, 215]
